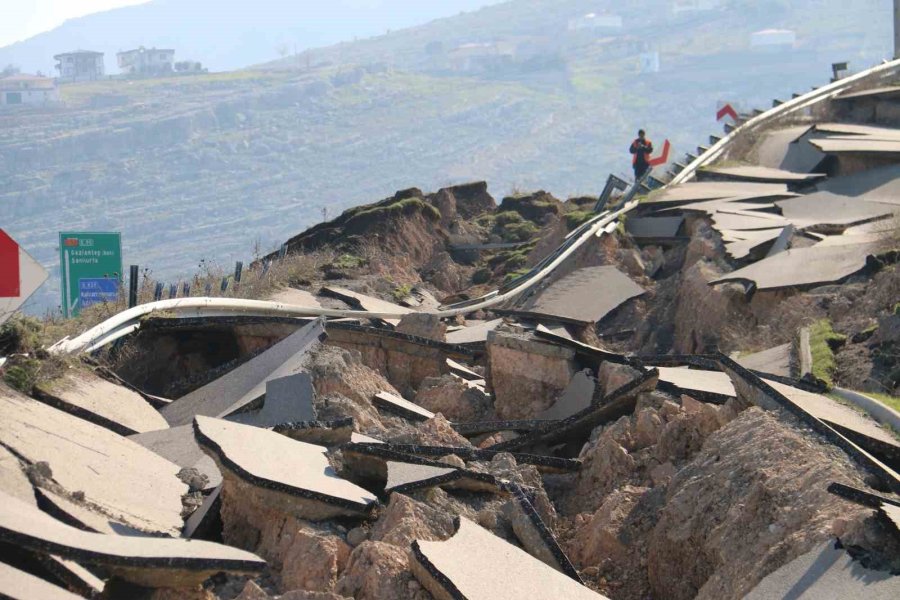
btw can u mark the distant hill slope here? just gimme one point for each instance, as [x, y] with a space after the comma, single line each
[226, 34]
[203, 167]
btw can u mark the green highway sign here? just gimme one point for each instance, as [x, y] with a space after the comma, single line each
[90, 265]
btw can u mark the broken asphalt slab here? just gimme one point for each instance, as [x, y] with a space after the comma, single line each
[247, 382]
[776, 361]
[403, 408]
[709, 386]
[827, 572]
[178, 445]
[477, 565]
[583, 296]
[295, 475]
[116, 474]
[800, 267]
[147, 561]
[19, 585]
[86, 395]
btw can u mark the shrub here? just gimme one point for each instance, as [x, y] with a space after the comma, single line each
[519, 232]
[482, 275]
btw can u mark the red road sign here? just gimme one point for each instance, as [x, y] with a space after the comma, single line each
[662, 158]
[9, 267]
[20, 276]
[727, 111]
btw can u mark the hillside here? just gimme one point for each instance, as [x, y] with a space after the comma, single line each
[214, 165]
[252, 32]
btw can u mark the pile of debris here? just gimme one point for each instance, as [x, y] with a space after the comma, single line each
[367, 463]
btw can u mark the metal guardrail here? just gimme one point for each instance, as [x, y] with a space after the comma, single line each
[782, 110]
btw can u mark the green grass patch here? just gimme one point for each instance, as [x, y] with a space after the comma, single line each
[519, 232]
[401, 207]
[620, 227]
[886, 399]
[514, 275]
[577, 218]
[507, 218]
[823, 342]
[348, 261]
[402, 291]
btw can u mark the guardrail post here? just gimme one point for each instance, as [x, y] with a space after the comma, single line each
[133, 275]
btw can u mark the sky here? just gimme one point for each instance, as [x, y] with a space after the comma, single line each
[25, 18]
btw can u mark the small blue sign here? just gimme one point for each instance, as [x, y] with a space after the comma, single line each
[96, 291]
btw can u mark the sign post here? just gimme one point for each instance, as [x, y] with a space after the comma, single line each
[90, 265]
[20, 276]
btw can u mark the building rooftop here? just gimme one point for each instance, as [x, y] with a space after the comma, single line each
[73, 52]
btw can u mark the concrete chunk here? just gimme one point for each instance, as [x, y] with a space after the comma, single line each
[287, 468]
[147, 561]
[404, 477]
[398, 406]
[288, 400]
[247, 383]
[477, 565]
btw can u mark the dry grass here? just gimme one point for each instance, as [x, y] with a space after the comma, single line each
[257, 283]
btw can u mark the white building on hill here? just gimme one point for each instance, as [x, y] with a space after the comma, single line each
[27, 90]
[146, 61]
[598, 22]
[80, 65]
[688, 6]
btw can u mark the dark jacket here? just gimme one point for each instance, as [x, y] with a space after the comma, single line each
[641, 153]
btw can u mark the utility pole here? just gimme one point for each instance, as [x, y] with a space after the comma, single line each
[896, 28]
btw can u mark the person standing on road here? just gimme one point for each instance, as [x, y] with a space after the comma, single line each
[641, 149]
